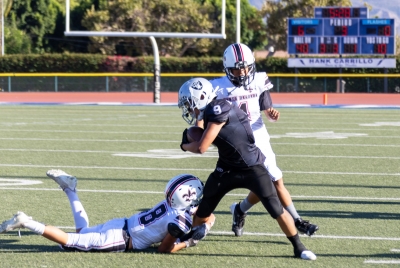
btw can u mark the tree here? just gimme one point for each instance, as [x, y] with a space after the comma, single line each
[252, 27]
[277, 12]
[37, 18]
[148, 16]
[16, 41]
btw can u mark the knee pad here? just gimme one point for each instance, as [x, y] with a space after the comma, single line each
[273, 206]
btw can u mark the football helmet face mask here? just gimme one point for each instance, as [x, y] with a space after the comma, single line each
[194, 94]
[184, 192]
[239, 56]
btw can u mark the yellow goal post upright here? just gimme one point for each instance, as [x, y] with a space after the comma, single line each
[152, 36]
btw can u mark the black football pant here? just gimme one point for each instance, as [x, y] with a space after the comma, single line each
[223, 180]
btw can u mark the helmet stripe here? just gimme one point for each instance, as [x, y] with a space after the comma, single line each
[238, 52]
[175, 185]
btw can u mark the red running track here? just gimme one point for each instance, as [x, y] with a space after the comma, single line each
[171, 97]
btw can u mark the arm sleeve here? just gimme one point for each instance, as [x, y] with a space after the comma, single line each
[265, 101]
[267, 83]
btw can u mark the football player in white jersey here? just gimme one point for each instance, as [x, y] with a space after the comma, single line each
[165, 222]
[249, 90]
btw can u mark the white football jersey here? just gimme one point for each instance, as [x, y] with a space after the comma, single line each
[151, 226]
[247, 100]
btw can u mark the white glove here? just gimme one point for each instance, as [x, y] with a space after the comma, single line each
[191, 242]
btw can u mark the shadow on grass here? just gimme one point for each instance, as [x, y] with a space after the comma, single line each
[13, 246]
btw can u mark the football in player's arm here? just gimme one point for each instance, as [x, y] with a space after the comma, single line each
[240, 162]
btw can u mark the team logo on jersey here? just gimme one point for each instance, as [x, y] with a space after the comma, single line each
[197, 85]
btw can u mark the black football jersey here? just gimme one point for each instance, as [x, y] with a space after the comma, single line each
[235, 142]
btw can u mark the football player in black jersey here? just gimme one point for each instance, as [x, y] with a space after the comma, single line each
[240, 162]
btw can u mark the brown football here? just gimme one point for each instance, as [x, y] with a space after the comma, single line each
[194, 134]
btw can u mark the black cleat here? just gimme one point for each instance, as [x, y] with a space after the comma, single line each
[305, 227]
[238, 219]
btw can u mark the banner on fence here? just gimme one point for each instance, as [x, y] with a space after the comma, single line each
[341, 63]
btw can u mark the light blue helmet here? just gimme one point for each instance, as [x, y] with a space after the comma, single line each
[195, 93]
[184, 191]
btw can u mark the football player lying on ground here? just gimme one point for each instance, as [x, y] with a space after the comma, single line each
[240, 162]
[165, 222]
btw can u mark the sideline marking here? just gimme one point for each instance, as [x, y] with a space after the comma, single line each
[15, 182]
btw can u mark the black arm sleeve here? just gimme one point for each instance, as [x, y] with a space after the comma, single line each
[265, 100]
[174, 230]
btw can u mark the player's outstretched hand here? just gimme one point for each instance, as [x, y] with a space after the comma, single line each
[272, 114]
[191, 242]
[184, 139]
[199, 232]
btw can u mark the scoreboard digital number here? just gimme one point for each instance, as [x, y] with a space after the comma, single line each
[341, 34]
[340, 12]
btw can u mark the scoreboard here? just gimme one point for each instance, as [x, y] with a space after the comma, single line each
[340, 12]
[341, 30]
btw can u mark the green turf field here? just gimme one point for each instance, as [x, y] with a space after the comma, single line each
[341, 166]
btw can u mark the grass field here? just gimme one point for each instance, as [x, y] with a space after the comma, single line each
[340, 165]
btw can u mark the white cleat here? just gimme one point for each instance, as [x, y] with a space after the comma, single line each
[16, 222]
[308, 255]
[63, 179]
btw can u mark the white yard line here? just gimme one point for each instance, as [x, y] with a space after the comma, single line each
[56, 122]
[162, 193]
[175, 141]
[192, 169]
[229, 233]
[382, 261]
[210, 155]
[138, 132]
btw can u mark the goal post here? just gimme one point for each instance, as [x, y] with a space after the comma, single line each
[150, 35]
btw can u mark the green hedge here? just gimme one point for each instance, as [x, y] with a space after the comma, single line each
[94, 63]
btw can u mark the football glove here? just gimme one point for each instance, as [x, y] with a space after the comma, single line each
[199, 232]
[184, 139]
[191, 242]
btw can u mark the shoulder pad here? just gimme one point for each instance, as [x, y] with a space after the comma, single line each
[218, 111]
[174, 230]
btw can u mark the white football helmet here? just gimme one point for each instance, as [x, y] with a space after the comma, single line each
[195, 93]
[184, 191]
[239, 56]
